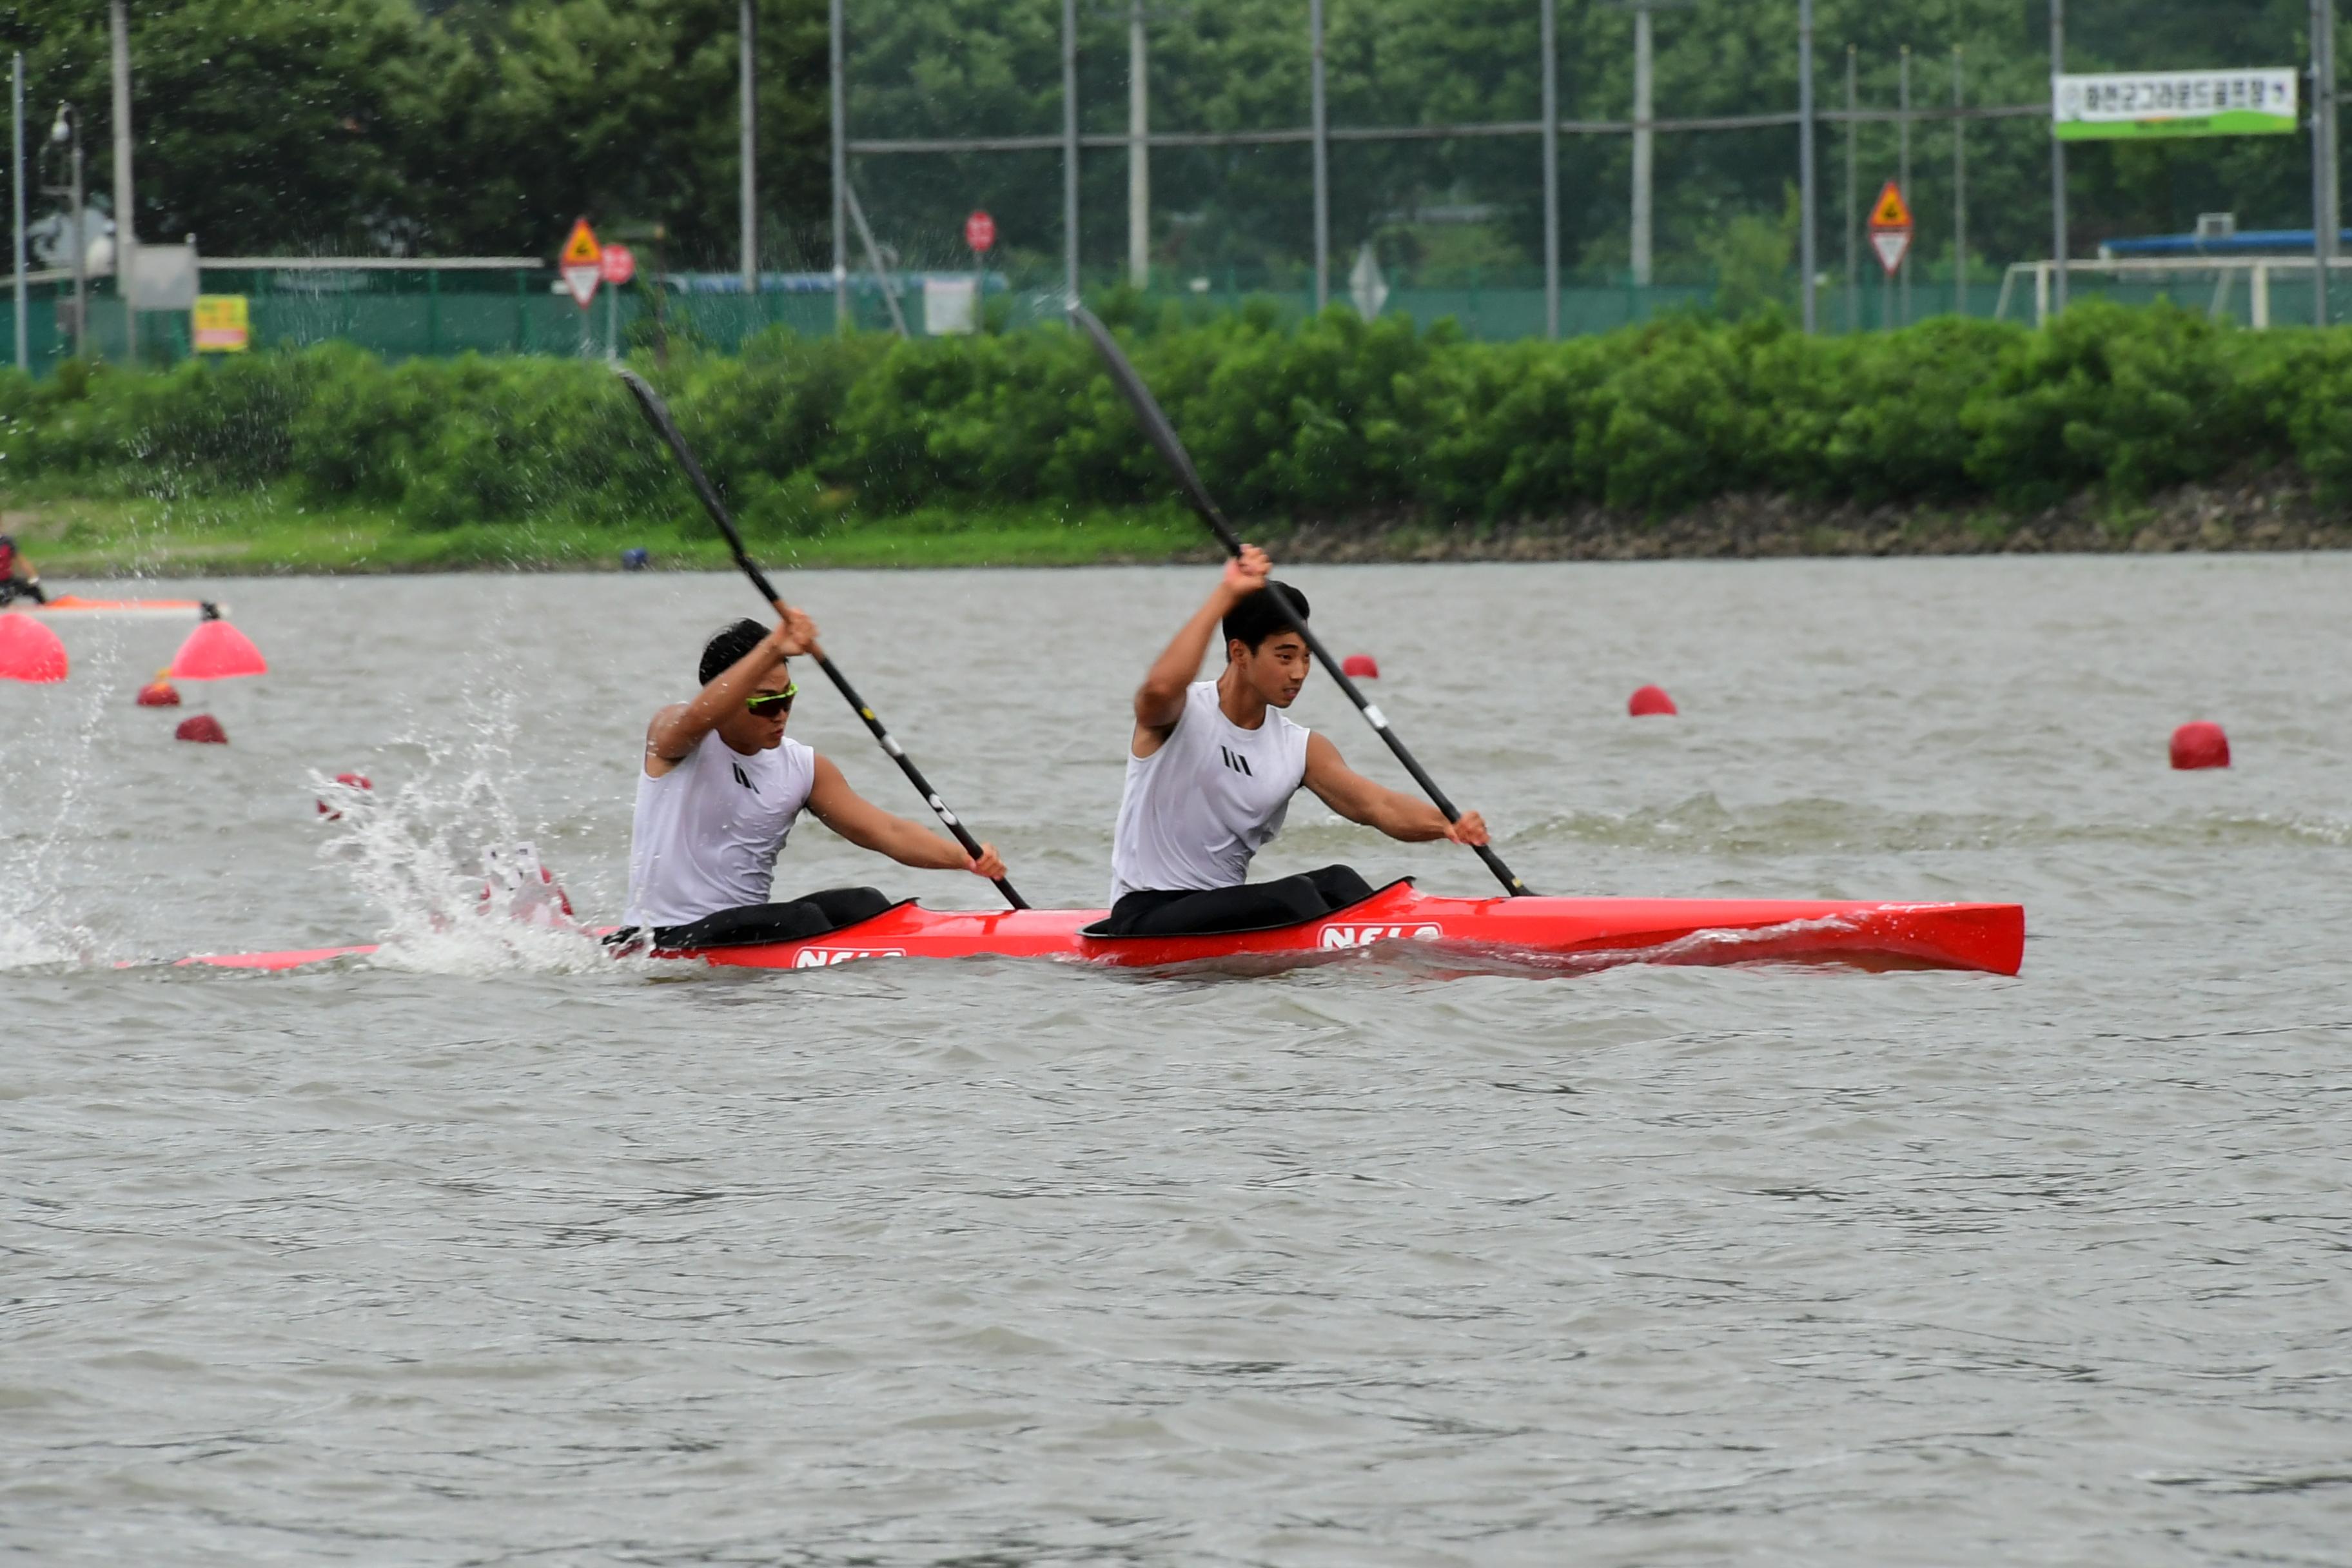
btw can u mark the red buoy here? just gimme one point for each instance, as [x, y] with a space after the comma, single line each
[30, 652]
[160, 692]
[348, 780]
[218, 651]
[201, 727]
[2200, 746]
[1649, 701]
[1360, 666]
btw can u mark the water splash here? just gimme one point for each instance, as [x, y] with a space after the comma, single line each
[418, 850]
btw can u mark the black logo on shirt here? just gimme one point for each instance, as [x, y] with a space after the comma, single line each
[1237, 762]
[744, 778]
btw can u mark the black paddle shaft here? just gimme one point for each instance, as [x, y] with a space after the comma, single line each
[658, 415]
[1162, 435]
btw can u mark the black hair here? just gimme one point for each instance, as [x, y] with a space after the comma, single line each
[725, 651]
[1255, 619]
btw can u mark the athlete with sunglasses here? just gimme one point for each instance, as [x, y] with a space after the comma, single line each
[719, 791]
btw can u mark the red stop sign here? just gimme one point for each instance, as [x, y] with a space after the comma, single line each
[618, 265]
[980, 231]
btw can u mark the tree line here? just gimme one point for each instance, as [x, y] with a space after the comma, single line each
[443, 127]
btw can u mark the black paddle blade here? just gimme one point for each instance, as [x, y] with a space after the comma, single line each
[1156, 428]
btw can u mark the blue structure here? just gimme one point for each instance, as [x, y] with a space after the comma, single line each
[2250, 242]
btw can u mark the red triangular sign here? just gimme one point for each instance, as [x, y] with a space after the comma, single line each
[1892, 211]
[1891, 244]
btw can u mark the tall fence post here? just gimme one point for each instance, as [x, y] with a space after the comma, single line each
[1808, 260]
[748, 141]
[1645, 143]
[1960, 190]
[1070, 148]
[2057, 156]
[1322, 138]
[1551, 167]
[1903, 174]
[2323, 152]
[1138, 150]
[840, 172]
[16, 182]
[1852, 216]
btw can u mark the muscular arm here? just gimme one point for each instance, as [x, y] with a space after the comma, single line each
[1358, 799]
[868, 825]
[677, 730]
[1160, 700]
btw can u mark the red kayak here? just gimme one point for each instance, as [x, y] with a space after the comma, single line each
[1569, 933]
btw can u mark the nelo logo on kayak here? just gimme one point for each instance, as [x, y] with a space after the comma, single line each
[1365, 935]
[825, 957]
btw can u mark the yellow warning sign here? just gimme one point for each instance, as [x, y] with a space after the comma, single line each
[1890, 212]
[581, 249]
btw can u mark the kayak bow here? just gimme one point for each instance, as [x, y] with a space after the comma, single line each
[1558, 932]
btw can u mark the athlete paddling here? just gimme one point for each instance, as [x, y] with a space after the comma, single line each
[719, 791]
[1212, 769]
[17, 578]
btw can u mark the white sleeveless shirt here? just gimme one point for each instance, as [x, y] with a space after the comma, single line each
[706, 833]
[1196, 810]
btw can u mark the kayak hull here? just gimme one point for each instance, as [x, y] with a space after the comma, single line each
[1583, 932]
[1544, 933]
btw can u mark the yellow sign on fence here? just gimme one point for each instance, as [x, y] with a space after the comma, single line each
[222, 324]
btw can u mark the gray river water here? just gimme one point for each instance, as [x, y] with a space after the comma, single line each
[491, 1250]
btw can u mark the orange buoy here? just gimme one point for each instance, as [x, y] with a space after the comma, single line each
[2199, 745]
[1651, 700]
[217, 650]
[201, 727]
[160, 692]
[30, 652]
[348, 780]
[1360, 666]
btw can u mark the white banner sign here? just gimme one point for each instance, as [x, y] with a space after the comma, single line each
[2255, 102]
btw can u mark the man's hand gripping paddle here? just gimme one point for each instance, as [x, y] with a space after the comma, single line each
[1163, 436]
[656, 414]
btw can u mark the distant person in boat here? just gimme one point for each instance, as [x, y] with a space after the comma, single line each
[1212, 766]
[17, 578]
[719, 791]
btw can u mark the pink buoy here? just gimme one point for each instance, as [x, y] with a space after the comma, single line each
[202, 728]
[2199, 745]
[1650, 700]
[30, 652]
[218, 651]
[1360, 666]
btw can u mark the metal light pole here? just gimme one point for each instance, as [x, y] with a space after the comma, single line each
[1853, 216]
[748, 113]
[1139, 151]
[2057, 159]
[16, 189]
[65, 131]
[1322, 133]
[1808, 254]
[1959, 192]
[1550, 30]
[1070, 148]
[1645, 142]
[126, 209]
[840, 179]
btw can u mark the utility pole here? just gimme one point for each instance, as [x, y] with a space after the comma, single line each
[1960, 190]
[1903, 168]
[17, 187]
[1322, 134]
[1808, 253]
[1645, 140]
[1550, 31]
[747, 112]
[2057, 159]
[1069, 149]
[840, 177]
[1853, 216]
[2324, 196]
[65, 133]
[1139, 151]
[126, 210]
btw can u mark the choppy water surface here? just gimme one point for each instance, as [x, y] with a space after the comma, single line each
[494, 1251]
